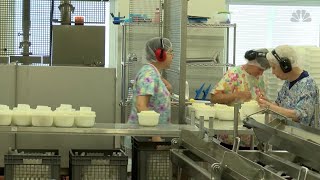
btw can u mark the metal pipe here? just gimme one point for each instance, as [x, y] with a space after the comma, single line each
[26, 23]
[227, 51]
[236, 144]
[183, 56]
[51, 30]
[123, 75]
[234, 44]
[16, 85]
[211, 132]
[192, 121]
[251, 142]
[305, 170]
[266, 117]
[237, 107]
[316, 110]
[201, 124]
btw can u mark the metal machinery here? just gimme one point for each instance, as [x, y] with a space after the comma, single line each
[196, 156]
[302, 141]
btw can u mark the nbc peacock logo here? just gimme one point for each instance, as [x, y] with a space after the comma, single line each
[301, 16]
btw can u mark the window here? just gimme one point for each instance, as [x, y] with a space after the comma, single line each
[267, 26]
[96, 12]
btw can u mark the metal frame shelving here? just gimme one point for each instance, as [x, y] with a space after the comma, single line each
[134, 36]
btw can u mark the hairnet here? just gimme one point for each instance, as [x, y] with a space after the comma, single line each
[153, 44]
[284, 51]
[261, 61]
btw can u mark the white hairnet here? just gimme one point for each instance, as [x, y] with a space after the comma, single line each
[261, 61]
[153, 44]
[284, 51]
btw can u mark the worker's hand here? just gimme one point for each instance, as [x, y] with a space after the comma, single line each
[261, 95]
[169, 87]
[156, 139]
[244, 95]
[167, 84]
[263, 103]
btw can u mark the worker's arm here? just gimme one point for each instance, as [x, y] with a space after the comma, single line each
[142, 103]
[221, 98]
[290, 113]
[167, 84]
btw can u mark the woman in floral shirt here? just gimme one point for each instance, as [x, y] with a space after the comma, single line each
[297, 97]
[241, 84]
[151, 91]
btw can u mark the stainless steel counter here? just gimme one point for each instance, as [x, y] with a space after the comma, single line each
[110, 129]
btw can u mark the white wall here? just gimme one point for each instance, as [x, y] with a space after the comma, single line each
[205, 8]
[195, 7]
[123, 7]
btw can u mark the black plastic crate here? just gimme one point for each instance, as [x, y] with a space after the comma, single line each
[98, 164]
[150, 160]
[32, 164]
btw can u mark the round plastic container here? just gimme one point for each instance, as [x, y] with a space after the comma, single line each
[21, 117]
[224, 112]
[65, 107]
[63, 119]
[85, 119]
[5, 117]
[42, 118]
[250, 107]
[85, 109]
[43, 108]
[4, 107]
[148, 118]
[23, 107]
[206, 112]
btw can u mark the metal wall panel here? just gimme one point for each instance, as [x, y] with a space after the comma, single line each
[175, 23]
[78, 45]
[8, 82]
[79, 86]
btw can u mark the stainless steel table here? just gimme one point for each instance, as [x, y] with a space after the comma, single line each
[110, 129]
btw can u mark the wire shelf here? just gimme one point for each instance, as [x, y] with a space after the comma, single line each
[209, 65]
[142, 23]
[201, 25]
[140, 31]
